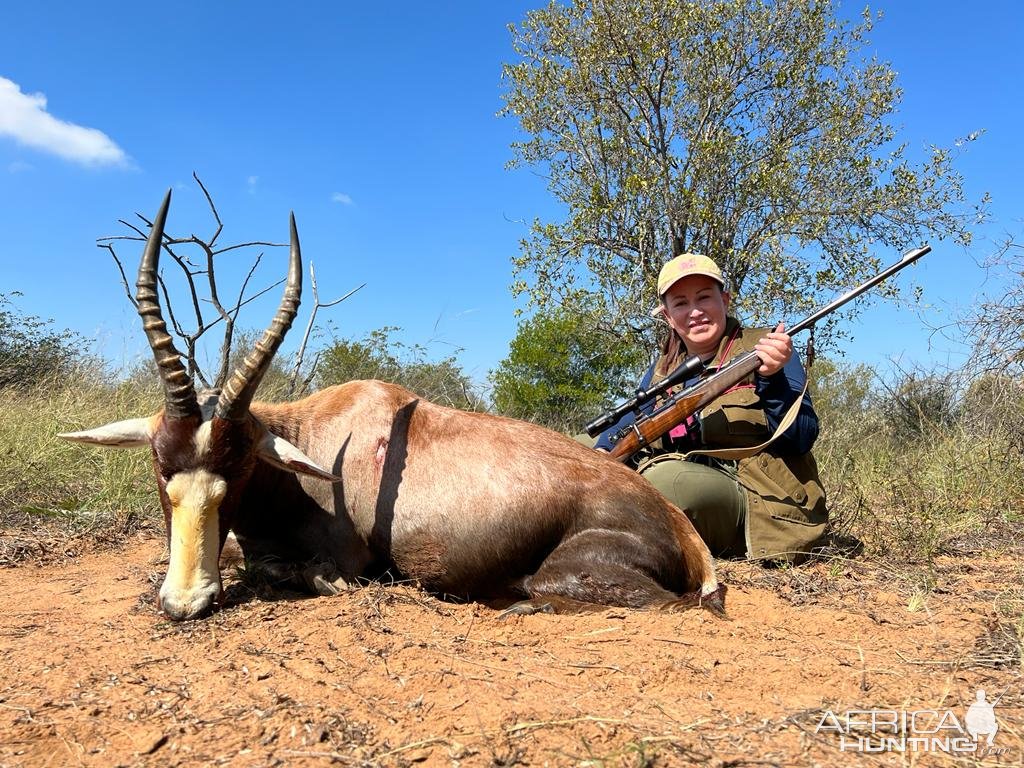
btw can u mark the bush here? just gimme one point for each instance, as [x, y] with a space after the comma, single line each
[911, 469]
[31, 351]
[919, 406]
[994, 407]
[379, 356]
[562, 370]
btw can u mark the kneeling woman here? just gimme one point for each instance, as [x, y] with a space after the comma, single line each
[745, 477]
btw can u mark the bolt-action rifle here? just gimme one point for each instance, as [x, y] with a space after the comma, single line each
[680, 406]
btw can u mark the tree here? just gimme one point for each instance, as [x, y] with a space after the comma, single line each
[752, 131]
[994, 403]
[561, 370]
[196, 270]
[196, 259]
[379, 356]
[997, 324]
[32, 352]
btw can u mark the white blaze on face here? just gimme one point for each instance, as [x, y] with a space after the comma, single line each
[202, 439]
[193, 576]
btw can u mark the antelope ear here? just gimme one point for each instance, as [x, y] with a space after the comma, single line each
[131, 433]
[279, 452]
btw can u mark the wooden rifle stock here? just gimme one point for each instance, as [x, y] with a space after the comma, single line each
[682, 405]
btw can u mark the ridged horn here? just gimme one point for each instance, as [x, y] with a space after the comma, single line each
[241, 387]
[179, 393]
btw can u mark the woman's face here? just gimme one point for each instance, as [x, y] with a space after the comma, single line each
[695, 307]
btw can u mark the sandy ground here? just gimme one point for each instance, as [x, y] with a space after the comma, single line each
[91, 674]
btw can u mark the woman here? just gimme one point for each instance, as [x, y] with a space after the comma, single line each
[762, 502]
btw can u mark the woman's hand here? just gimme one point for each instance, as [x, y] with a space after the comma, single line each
[775, 350]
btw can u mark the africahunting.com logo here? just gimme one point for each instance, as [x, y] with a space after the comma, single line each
[916, 730]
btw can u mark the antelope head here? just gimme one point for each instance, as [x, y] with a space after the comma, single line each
[203, 453]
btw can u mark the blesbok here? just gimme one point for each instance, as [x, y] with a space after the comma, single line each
[366, 477]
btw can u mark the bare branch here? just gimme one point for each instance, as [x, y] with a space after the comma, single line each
[200, 275]
[170, 309]
[249, 245]
[189, 274]
[249, 300]
[120, 268]
[995, 325]
[301, 353]
[229, 319]
[213, 209]
[190, 339]
[308, 381]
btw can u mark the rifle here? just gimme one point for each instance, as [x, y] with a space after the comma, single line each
[649, 427]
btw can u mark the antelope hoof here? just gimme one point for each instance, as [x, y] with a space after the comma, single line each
[325, 582]
[527, 608]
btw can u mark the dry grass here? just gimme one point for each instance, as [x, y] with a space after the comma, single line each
[947, 478]
[54, 493]
[908, 502]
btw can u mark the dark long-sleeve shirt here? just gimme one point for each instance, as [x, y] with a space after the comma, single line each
[777, 392]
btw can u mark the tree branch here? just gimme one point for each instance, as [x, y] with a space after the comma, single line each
[301, 353]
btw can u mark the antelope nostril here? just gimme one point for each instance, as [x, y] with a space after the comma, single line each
[186, 612]
[196, 605]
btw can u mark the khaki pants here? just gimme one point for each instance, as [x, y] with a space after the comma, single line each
[711, 497]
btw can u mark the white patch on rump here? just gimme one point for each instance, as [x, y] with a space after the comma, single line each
[193, 575]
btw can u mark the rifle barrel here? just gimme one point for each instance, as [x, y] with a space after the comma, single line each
[908, 258]
[692, 366]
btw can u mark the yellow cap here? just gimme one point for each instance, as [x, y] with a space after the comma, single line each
[684, 265]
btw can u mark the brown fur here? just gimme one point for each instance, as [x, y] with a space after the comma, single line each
[468, 504]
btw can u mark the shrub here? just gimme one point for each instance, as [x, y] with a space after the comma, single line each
[918, 405]
[562, 370]
[31, 351]
[911, 469]
[380, 356]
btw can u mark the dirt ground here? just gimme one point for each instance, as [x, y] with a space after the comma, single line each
[91, 674]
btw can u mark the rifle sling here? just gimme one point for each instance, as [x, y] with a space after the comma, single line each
[742, 453]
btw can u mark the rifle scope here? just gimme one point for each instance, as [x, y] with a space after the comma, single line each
[693, 366]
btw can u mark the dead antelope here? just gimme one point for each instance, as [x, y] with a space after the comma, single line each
[365, 477]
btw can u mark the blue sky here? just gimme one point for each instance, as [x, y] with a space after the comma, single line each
[377, 125]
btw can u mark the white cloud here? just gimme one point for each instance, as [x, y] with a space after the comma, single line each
[23, 117]
[19, 166]
[341, 197]
[251, 182]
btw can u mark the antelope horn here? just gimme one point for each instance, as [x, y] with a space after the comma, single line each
[179, 394]
[237, 395]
